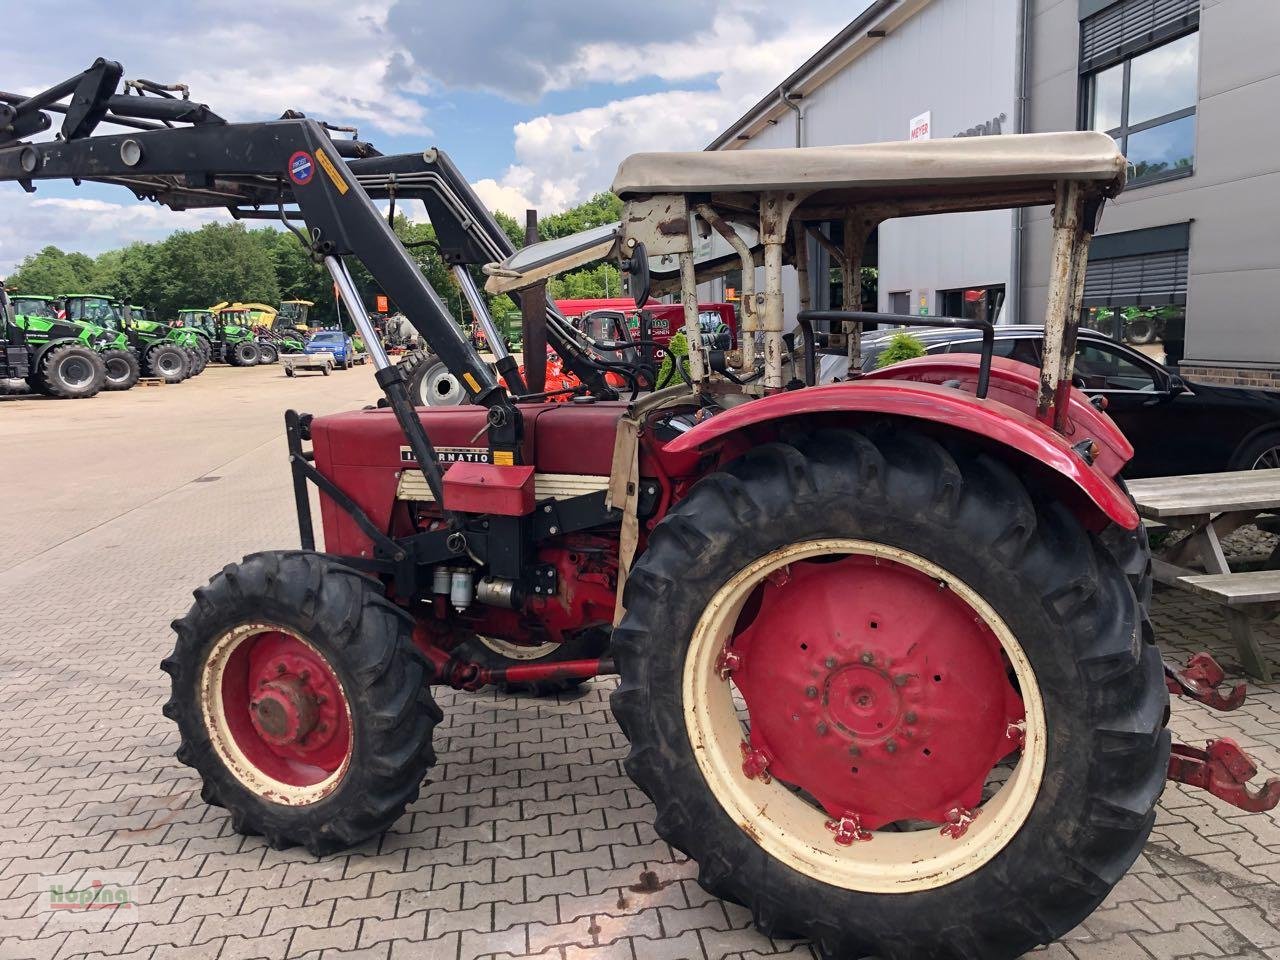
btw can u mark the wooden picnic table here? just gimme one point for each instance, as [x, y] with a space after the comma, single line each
[1209, 506]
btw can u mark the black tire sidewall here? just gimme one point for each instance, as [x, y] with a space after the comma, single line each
[51, 380]
[1249, 451]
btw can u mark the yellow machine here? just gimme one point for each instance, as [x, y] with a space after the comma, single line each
[293, 313]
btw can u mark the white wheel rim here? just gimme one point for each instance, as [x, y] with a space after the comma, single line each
[224, 742]
[514, 651]
[1269, 459]
[440, 388]
[789, 828]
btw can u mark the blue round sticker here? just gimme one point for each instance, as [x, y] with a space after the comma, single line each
[301, 168]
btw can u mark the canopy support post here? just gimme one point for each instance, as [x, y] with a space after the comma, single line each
[1072, 229]
[775, 213]
[750, 319]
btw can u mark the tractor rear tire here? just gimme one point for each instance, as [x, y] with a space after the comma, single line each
[268, 353]
[201, 361]
[122, 369]
[490, 652]
[942, 546]
[167, 361]
[69, 372]
[430, 382]
[243, 354]
[339, 740]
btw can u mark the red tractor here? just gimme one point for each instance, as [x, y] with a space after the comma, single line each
[885, 663]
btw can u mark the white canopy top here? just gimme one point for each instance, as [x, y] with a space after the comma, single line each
[1009, 160]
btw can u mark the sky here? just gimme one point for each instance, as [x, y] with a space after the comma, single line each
[536, 101]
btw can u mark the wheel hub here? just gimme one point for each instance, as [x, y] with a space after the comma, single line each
[874, 689]
[864, 702]
[278, 713]
[284, 712]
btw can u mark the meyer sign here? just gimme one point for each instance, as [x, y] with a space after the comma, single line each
[921, 126]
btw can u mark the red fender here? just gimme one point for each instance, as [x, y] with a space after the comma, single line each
[930, 402]
[1018, 385]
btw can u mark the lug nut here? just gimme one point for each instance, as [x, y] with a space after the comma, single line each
[891, 746]
[830, 662]
[910, 717]
[868, 657]
[822, 729]
[811, 692]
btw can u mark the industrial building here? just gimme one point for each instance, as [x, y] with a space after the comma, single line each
[1186, 264]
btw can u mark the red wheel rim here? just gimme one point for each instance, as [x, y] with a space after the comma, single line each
[277, 714]
[857, 767]
[890, 698]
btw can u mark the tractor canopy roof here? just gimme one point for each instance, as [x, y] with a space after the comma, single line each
[31, 296]
[89, 296]
[880, 180]
[930, 176]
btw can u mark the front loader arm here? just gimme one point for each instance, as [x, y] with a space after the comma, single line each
[280, 161]
[468, 234]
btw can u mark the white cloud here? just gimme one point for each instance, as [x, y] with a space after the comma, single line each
[86, 225]
[563, 159]
[248, 60]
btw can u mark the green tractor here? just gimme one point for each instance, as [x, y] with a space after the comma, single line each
[144, 321]
[229, 340]
[121, 366]
[293, 314]
[65, 359]
[152, 352]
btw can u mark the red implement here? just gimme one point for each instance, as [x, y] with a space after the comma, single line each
[1225, 771]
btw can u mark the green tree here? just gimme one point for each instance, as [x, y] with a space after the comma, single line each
[51, 272]
[601, 209]
[589, 283]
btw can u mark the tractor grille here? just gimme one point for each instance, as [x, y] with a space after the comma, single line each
[546, 486]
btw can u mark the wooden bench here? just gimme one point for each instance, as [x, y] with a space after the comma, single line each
[1237, 589]
[1208, 507]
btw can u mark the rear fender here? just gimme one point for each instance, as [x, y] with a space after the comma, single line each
[1018, 385]
[46, 347]
[1097, 497]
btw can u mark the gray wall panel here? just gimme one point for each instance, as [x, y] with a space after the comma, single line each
[1233, 298]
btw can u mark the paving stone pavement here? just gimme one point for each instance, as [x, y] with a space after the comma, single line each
[528, 841]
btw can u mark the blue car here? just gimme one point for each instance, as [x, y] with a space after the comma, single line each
[335, 342]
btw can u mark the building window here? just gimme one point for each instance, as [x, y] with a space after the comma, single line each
[1135, 289]
[972, 303]
[1139, 62]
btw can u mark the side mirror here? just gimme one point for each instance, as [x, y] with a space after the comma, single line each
[637, 269]
[1176, 385]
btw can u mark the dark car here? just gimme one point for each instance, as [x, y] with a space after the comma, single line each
[1175, 427]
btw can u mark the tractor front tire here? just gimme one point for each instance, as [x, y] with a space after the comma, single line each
[168, 362]
[896, 615]
[122, 369]
[198, 360]
[301, 701]
[268, 353]
[69, 372]
[243, 354]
